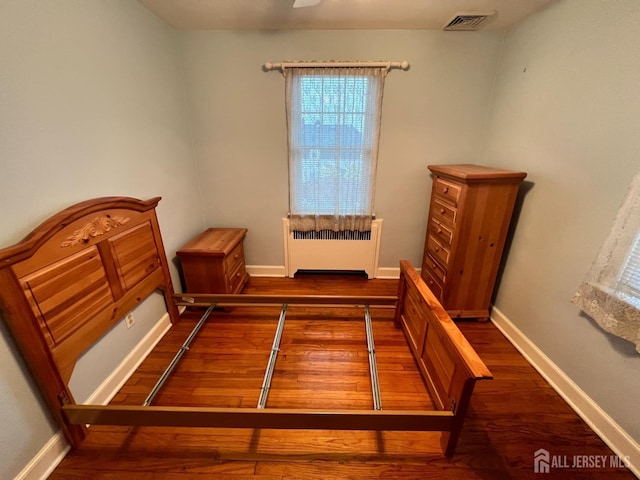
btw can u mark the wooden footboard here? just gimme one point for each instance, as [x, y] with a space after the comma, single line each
[448, 363]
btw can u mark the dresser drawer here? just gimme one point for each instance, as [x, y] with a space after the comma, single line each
[437, 250]
[434, 268]
[444, 234]
[434, 285]
[447, 190]
[443, 212]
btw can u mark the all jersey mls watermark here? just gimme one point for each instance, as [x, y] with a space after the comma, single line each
[544, 462]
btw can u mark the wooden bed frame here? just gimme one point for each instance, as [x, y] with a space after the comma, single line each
[80, 272]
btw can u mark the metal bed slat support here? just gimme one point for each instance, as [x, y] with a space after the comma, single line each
[373, 367]
[266, 383]
[176, 358]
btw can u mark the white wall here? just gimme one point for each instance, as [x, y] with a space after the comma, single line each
[433, 113]
[566, 110]
[91, 104]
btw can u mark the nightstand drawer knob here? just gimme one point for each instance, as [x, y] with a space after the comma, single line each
[445, 190]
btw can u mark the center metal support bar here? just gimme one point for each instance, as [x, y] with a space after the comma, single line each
[176, 359]
[373, 367]
[266, 383]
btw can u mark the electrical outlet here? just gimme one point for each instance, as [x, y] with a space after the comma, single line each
[129, 320]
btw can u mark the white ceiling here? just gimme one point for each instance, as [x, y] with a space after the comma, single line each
[336, 14]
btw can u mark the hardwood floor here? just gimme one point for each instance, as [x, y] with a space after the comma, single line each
[324, 364]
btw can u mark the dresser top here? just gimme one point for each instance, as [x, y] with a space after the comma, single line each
[471, 172]
[215, 242]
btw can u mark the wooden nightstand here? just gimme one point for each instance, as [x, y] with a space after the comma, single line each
[213, 262]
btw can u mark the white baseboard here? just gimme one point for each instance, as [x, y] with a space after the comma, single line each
[388, 273]
[48, 458]
[266, 270]
[280, 271]
[600, 422]
[114, 382]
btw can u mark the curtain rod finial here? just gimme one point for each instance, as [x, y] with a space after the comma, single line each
[404, 65]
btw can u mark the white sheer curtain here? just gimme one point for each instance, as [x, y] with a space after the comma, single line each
[610, 292]
[333, 120]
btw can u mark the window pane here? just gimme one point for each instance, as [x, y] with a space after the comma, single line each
[333, 153]
[629, 280]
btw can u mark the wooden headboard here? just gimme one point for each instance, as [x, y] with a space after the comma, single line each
[72, 279]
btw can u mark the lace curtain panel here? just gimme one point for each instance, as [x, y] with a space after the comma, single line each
[333, 122]
[610, 292]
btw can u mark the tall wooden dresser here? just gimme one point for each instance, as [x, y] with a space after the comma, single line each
[469, 216]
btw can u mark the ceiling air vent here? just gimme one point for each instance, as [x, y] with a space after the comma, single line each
[466, 21]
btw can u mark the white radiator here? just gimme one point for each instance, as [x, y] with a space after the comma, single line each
[317, 254]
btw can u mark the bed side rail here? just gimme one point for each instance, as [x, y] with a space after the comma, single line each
[234, 300]
[393, 420]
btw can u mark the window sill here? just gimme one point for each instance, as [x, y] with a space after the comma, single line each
[611, 312]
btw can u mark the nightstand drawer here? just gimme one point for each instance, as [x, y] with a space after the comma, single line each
[234, 259]
[237, 277]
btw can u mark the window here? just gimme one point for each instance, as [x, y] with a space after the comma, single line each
[610, 292]
[628, 288]
[333, 117]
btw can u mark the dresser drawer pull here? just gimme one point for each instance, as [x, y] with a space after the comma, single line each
[442, 210]
[437, 249]
[445, 190]
[236, 256]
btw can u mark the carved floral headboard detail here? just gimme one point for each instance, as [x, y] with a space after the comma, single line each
[98, 226]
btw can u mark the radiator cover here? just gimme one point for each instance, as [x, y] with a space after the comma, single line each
[337, 255]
